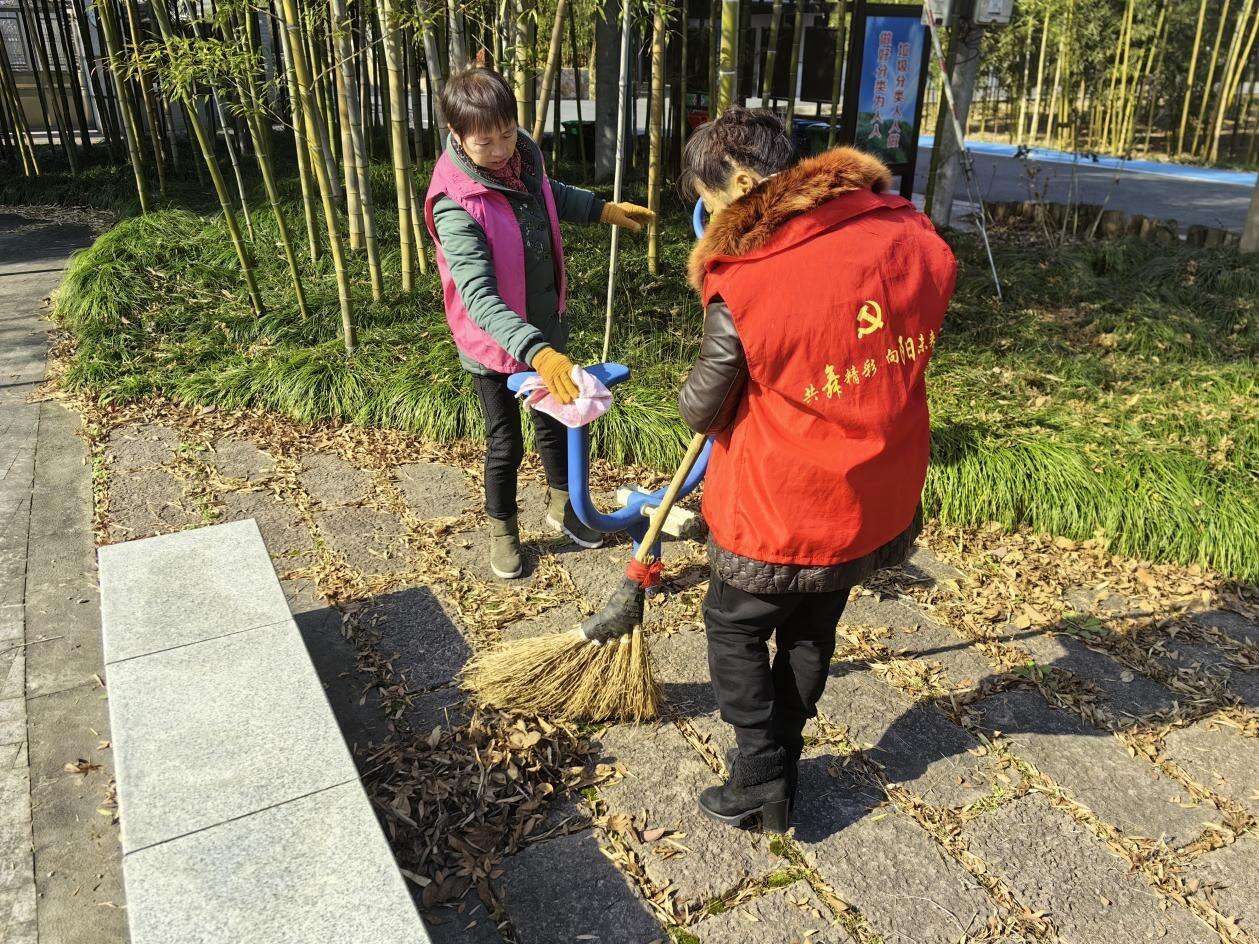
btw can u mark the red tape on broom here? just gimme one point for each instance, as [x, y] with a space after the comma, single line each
[645, 575]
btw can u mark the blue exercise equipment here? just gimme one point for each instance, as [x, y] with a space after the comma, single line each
[697, 219]
[633, 518]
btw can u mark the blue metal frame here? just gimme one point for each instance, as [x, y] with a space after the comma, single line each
[697, 219]
[631, 518]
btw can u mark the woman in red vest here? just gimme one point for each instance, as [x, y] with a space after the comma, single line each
[824, 295]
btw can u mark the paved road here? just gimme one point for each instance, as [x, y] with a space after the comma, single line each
[59, 859]
[1210, 203]
[1214, 204]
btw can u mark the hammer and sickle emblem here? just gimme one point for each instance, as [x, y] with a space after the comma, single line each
[869, 319]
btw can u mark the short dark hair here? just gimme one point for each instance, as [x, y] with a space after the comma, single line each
[478, 99]
[752, 137]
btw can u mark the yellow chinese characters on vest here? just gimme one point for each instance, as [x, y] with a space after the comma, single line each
[870, 321]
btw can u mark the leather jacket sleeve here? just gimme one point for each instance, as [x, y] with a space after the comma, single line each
[711, 394]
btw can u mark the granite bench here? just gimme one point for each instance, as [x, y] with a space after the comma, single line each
[242, 815]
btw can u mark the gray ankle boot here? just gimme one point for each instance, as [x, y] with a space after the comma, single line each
[561, 517]
[506, 558]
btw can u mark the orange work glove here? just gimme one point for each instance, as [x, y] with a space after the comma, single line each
[556, 372]
[626, 215]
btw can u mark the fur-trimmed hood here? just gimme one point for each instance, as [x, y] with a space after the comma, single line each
[750, 222]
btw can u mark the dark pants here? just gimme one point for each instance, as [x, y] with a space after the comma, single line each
[768, 706]
[505, 445]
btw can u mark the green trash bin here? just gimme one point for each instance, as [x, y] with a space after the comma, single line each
[571, 143]
[819, 133]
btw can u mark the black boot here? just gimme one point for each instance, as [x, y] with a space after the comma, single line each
[756, 785]
[791, 769]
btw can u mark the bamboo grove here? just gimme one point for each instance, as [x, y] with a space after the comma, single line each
[235, 90]
[216, 88]
[1175, 78]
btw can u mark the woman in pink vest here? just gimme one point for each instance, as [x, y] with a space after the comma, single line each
[495, 217]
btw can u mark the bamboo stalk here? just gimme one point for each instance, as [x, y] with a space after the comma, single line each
[1210, 81]
[57, 76]
[345, 85]
[581, 129]
[618, 175]
[522, 66]
[301, 147]
[95, 66]
[793, 67]
[433, 72]
[1034, 127]
[113, 45]
[398, 138]
[729, 44]
[258, 131]
[714, 55]
[40, 63]
[308, 109]
[1193, 67]
[841, 21]
[356, 150]
[22, 130]
[1233, 71]
[655, 155]
[458, 44]
[212, 165]
[1025, 89]
[72, 70]
[145, 96]
[552, 62]
[771, 51]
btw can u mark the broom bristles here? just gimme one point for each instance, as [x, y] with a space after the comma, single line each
[564, 675]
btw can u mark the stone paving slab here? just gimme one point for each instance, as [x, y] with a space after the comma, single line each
[330, 480]
[447, 924]
[567, 890]
[370, 540]
[415, 625]
[354, 700]
[1056, 866]
[148, 502]
[287, 873]
[241, 459]
[790, 915]
[1095, 769]
[1232, 876]
[720, 858]
[883, 863]
[962, 663]
[1218, 757]
[1128, 693]
[62, 608]
[18, 922]
[917, 747]
[77, 854]
[141, 446]
[286, 535]
[219, 729]
[434, 489]
[167, 591]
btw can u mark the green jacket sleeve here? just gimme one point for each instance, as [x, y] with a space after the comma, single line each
[471, 266]
[575, 205]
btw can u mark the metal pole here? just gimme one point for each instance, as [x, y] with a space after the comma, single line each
[619, 172]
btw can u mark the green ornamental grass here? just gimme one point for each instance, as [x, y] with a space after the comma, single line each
[1113, 394]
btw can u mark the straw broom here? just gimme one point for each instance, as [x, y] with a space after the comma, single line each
[600, 671]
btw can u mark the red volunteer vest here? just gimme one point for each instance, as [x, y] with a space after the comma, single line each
[838, 314]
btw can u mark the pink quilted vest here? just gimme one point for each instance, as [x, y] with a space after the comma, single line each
[493, 213]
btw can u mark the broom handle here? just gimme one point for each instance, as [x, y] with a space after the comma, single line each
[670, 496]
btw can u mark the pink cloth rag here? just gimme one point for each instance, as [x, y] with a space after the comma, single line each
[593, 399]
